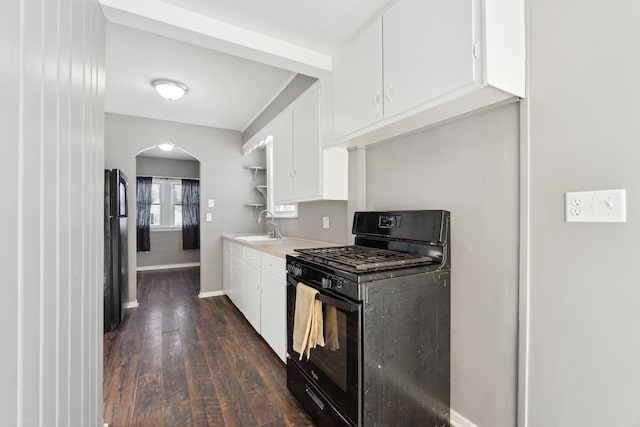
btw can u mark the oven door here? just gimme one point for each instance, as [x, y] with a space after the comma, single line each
[335, 368]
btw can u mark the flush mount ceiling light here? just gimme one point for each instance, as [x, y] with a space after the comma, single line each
[167, 146]
[169, 89]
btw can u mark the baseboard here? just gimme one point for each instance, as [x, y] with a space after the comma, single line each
[458, 420]
[131, 304]
[168, 266]
[210, 294]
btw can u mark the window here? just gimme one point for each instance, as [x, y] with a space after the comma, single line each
[166, 203]
[156, 204]
[176, 203]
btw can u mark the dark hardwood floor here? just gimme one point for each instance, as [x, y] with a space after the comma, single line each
[178, 360]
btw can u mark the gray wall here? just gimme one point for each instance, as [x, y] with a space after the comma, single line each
[179, 168]
[51, 116]
[470, 167]
[584, 291]
[222, 178]
[308, 225]
[294, 89]
[166, 249]
[166, 244]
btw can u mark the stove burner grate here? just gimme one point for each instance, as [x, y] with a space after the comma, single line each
[362, 258]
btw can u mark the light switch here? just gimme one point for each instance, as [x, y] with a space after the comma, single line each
[325, 222]
[596, 206]
[210, 203]
[208, 217]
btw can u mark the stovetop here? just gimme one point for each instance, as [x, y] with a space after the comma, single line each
[361, 259]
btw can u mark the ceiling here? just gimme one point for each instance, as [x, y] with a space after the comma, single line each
[224, 91]
[234, 55]
[317, 25]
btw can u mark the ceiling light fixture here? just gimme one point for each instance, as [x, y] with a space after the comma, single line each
[167, 146]
[169, 89]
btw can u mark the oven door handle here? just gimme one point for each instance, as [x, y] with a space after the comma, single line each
[343, 305]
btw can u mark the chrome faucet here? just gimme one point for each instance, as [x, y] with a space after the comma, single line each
[275, 228]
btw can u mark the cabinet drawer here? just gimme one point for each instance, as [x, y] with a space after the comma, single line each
[236, 250]
[252, 257]
[272, 265]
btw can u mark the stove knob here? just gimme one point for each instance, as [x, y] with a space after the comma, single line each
[326, 283]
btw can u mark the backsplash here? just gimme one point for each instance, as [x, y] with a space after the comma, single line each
[308, 225]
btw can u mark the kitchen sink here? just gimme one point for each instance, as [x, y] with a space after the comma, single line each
[259, 238]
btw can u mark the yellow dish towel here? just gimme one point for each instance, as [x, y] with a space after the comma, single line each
[331, 328]
[307, 322]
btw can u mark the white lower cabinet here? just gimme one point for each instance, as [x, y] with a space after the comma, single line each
[251, 287]
[236, 282]
[256, 284]
[226, 267]
[274, 304]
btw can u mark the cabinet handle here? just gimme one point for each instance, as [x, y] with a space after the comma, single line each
[376, 100]
[388, 90]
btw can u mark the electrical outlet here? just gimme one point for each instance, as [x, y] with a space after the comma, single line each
[596, 206]
[208, 217]
[325, 222]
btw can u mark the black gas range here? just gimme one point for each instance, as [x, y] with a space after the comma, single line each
[389, 295]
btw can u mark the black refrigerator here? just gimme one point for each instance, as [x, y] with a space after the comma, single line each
[116, 269]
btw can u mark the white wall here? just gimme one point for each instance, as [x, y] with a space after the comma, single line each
[222, 178]
[468, 166]
[584, 291]
[51, 116]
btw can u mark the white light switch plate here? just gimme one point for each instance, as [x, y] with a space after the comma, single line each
[208, 217]
[596, 206]
[325, 222]
[210, 203]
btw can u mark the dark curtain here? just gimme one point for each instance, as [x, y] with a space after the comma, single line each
[190, 214]
[143, 219]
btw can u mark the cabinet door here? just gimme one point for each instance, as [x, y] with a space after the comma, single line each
[357, 81]
[428, 51]
[307, 145]
[226, 273]
[236, 282]
[274, 306]
[251, 290]
[282, 132]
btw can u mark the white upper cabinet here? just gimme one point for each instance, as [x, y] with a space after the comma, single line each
[281, 130]
[425, 61]
[307, 146]
[302, 169]
[357, 81]
[428, 51]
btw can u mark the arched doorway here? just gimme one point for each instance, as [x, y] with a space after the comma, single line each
[172, 239]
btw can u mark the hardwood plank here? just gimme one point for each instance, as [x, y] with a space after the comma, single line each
[148, 401]
[234, 405]
[147, 408]
[251, 382]
[120, 395]
[205, 406]
[175, 393]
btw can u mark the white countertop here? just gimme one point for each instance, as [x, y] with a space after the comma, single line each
[278, 248]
